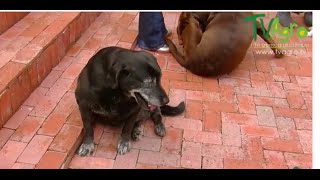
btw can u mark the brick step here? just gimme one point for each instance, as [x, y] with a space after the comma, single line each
[30, 49]
[46, 130]
[8, 19]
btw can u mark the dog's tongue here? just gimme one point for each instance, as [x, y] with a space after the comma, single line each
[152, 107]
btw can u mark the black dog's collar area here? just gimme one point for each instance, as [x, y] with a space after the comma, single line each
[144, 103]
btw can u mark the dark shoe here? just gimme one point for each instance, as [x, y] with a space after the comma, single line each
[284, 18]
[308, 19]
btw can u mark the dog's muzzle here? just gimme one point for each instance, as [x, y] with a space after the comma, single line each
[143, 102]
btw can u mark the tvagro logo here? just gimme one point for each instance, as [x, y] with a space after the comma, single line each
[273, 27]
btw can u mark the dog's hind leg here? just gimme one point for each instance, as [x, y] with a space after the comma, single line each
[159, 126]
[87, 145]
[273, 45]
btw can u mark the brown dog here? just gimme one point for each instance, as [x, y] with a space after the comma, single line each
[215, 43]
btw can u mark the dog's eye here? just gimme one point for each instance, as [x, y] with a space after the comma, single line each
[125, 73]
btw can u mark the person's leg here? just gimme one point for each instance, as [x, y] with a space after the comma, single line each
[152, 32]
[284, 18]
[308, 19]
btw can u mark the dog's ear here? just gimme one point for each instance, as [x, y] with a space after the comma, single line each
[121, 74]
[116, 70]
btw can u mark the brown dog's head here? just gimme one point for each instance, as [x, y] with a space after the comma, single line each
[186, 18]
[182, 23]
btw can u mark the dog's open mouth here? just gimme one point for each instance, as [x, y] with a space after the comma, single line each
[145, 104]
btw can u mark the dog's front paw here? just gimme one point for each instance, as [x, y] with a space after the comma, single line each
[136, 133]
[86, 149]
[123, 146]
[160, 130]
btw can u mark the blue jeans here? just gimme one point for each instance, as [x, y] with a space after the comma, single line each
[152, 30]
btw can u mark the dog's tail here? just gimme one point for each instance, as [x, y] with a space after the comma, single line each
[173, 111]
[176, 54]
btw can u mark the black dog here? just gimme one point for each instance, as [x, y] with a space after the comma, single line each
[120, 86]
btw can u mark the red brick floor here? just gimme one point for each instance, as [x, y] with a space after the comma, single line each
[259, 116]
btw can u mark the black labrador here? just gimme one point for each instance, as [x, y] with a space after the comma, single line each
[122, 87]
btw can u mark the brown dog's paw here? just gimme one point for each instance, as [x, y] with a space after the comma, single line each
[86, 149]
[160, 130]
[123, 146]
[136, 133]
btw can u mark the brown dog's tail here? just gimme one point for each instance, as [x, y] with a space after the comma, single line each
[176, 54]
[173, 111]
